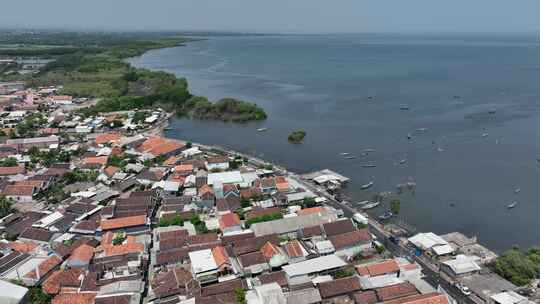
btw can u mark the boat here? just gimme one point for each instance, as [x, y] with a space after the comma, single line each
[512, 205]
[262, 129]
[368, 150]
[517, 190]
[492, 111]
[457, 97]
[404, 108]
[440, 149]
[485, 134]
[363, 203]
[350, 157]
[344, 153]
[421, 129]
[167, 128]
[370, 205]
[409, 136]
[386, 216]
[403, 161]
[369, 166]
[366, 186]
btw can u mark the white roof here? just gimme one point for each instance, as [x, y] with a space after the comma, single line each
[231, 177]
[202, 261]
[509, 297]
[462, 264]
[11, 293]
[325, 178]
[325, 247]
[427, 240]
[167, 186]
[298, 196]
[191, 151]
[49, 219]
[315, 265]
[443, 249]
[290, 224]
[379, 281]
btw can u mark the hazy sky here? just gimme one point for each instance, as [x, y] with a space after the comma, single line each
[277, 15]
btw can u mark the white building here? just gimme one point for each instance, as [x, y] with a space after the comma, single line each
[203, 265]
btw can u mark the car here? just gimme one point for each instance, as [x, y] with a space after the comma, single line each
[464, 289]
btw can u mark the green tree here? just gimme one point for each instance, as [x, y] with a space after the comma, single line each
[395, 206]
[240, 296]
[297, 136]
[517, 267]
[9, 162]
[5, 206]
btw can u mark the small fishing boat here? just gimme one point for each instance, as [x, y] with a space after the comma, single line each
[457, 97]
[492, 111]
[409, 136]
[350, 157]
[369, 166]
[421, 129]
[167, 128]
[512, 205]
[262, 129]
[404, 108]
[386, 216]
[440, 150]
[344, 153]
[370, 205]
[367, 186]
[403, 161]
[485, 134]
[362, 203]
[368, 150]
[517, 190]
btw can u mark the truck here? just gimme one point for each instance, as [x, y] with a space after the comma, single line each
[360, 219]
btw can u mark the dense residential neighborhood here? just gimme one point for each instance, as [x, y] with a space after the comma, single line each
[103, 209]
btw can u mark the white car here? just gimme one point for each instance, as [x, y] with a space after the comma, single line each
[464, 289]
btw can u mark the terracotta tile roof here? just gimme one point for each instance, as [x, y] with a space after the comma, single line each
[45, 266]
[111, 170]
[269, 250]
[222, 288]
[339, 287]
[311, 211]
[38, 184]
[159, 145]
[377, 269]
[312, 231]
[130, 245]
[277, 276]
[184, 168]
[13, 190]
[250, 192]
[173, 234]
[96, 160]
[228, 220]
[108, 138]
[62, 278]
[218, 160]
[74, 298]
[83, 253]
[23, 246]
[37, 234]
[350, 239]
[396, 291]
[429, 298]
[171, 161]
[205, 190]
[220, 256]
[230, 203]
[11, 170]
[365, 297]
[176, 281]
[294, 249]
[124, 222]
[339, 227]
[204, 238]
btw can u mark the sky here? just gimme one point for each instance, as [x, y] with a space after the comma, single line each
[288, 16]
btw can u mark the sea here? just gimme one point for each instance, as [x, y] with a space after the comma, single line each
[456, 114]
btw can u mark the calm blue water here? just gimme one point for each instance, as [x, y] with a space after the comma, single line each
[321, 83]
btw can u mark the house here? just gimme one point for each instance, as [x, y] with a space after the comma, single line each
[22, 194]
[203, 266]
[509, 297]
[291, 225]
[230, 222]
[38, 142]
[63, 279]
[176, 281]
[35, 276]
[338, 287]
[37, 235]
[75, 298]
[267, 185]
[7, 171]
[206, 197]
[339, 227]
[388, 267]
[108, 138]
[223, 262]
[157, 146]
[461, 266]
[274, 255]
[302, 272]
[253, 263]
[350, 244]
[266, 294]
[428, 298]
[229, 177]
[396, 291]
[62, 99]
[430, 242]
[131, 224]
[218, 163]
[81, 256]
[295, 251]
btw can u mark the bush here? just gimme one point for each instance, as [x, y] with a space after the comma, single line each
[517, 267]
[264, 218]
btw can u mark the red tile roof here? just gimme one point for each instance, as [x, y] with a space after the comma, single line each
[11, 170]
[429, 298]
[220, 256]
[124, 222]
[269, 250]
[159, 146]
[396, 291]
[294, 249]
[83, 253]
[108, 138]
[62, 278]
[365, 297]
[111, 170]
[313, 210]
[350, 239]
[23, 246]
[97, 160]
[339, 287]
[74, 298]
[228, 220]
[13, 190]
[377, 269]
[45, 266]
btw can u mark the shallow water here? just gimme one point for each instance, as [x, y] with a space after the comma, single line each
[321, 83]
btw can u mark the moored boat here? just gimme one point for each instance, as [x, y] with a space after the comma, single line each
[386, 215]
[512, 205]
[370, 205]
[369, 166]
[366, 186]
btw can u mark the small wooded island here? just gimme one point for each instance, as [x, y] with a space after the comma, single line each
[297, 136]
